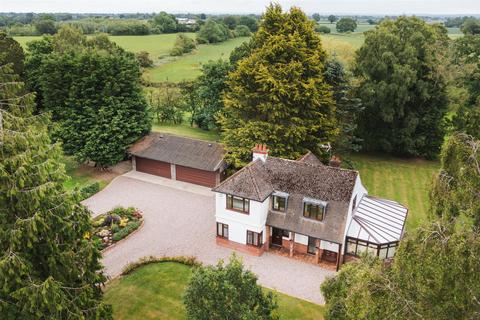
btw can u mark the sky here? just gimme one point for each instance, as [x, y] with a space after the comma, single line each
[380, 7]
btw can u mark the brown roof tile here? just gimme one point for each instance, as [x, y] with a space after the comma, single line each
[199, 154]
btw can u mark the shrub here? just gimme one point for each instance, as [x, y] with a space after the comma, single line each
[188, 261]
[242, 31]
[129, 228]
[183, 44]
[89, 190]
[144, 60]
[322, 29]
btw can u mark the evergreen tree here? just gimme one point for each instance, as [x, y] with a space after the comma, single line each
[11, 52]
[92, 88]
[401, 88]
[49, 268]
[277, 95]
[456, 188]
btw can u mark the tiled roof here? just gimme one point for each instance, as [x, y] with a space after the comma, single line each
[259, 179]
[199, 154]
[310, 158]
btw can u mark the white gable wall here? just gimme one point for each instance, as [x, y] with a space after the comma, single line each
[238, 223]
[358, 190]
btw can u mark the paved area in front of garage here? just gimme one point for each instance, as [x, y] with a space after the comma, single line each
[180, 221]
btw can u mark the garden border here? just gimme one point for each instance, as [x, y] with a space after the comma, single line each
[126, 238]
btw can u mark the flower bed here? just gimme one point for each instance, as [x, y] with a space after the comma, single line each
[115, 225]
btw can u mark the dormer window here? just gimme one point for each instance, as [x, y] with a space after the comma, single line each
[314, 209]
[238, 204]
[279, 201]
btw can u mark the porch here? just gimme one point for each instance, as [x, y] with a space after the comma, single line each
[300, 247]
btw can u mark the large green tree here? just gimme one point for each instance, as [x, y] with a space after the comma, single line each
[11, 52]
[435, 276]
[212, 32]
[456, 188]
[277, 95]
[467, 117]
[346, 25]
[92, 88]
[49, 269]
[227, 292]
[401, 87]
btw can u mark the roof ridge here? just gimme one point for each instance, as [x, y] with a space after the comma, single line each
[312, 165]
[257, 190]
[235, 174]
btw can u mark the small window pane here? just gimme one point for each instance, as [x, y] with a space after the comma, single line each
[237, 203]
[279, 203]
[372, 249]
[391, 251]
[361, 247]
[383, 253]
[247, 205]
[225, 230]
[351, 247]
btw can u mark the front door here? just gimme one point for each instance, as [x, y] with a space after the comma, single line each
[277, 236]
[311, 245]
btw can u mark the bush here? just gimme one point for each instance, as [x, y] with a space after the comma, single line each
[129, 228]
[242, 31]
[322, 29]
[188, 261]
[90, 190]
[143, 59]
[183, 44]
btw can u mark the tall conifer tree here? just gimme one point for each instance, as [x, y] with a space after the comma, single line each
[277, 94]
[49, 269]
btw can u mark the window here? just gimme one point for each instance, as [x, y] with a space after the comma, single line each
[314, 211]
[254, 239]
[222, 230]
[279, 203]
[357, 247]
[238, 204]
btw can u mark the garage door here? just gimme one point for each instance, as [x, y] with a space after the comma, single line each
[157, 168]
[197, 176]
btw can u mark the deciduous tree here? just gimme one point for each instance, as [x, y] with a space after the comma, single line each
[277, 95]
[346, 25]
[49, 267]
[227, 292]
[402, 88]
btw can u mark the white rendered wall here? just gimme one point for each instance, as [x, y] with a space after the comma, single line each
[238, 223]
[358, 190]
[300, 238]
[326, 245]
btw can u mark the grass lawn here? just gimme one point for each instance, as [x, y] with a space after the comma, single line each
[185, 130]
[155, 291]
[406, 181]
[188, 66]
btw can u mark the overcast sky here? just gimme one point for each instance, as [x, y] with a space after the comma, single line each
[245, 6]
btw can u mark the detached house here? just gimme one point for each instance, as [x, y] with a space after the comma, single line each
[302, 207]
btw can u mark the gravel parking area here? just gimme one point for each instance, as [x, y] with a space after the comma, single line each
[181, 221]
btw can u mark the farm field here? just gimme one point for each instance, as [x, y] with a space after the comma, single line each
[155, 291]
[187, 67]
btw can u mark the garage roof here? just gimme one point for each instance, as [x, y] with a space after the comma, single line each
[193, 153]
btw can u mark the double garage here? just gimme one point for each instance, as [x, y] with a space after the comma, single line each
[184, 159]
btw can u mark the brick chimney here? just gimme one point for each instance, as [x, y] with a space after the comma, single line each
[260, 151]
[335, 161]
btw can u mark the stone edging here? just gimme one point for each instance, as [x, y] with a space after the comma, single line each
[128, 236]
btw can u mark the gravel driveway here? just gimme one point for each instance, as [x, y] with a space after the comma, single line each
[179, 220]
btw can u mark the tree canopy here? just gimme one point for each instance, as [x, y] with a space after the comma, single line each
[92, 88]
[455, 189]
[11, 52]
[212, 32]
[277, 93]
[49, 266]
[402, 88]
[346, 25]
[212, 289]
[165, 22]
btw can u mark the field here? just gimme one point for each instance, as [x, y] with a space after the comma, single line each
[155, 291]
[186, 67]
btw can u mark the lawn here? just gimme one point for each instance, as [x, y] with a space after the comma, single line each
[185, 130]
[155, 291]
[404, 180]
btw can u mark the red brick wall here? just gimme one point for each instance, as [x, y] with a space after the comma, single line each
[254, 251]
